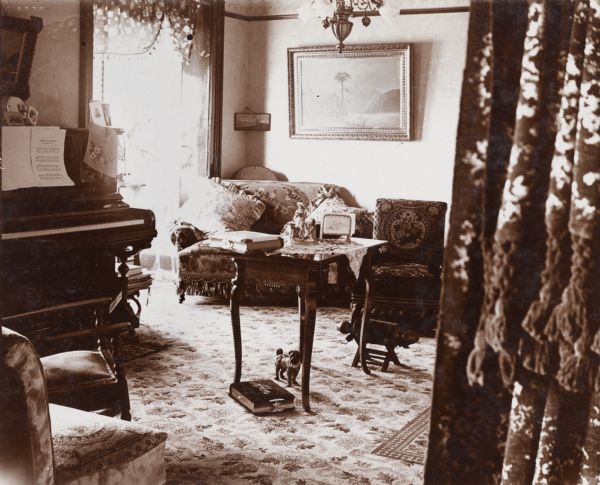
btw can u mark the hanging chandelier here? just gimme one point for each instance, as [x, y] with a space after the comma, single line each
[337, 14]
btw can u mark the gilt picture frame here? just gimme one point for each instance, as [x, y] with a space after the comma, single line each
[362, 93]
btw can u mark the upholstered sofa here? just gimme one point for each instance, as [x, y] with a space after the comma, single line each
[265, 207]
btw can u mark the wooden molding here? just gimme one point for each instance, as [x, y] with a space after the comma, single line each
[86, 62]
[291, 16]
[217, 48]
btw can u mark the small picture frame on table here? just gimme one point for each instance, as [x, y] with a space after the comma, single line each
[337, 225]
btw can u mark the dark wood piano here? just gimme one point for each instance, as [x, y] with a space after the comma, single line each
[59, 245]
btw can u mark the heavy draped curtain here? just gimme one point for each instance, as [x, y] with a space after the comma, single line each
[516, 391]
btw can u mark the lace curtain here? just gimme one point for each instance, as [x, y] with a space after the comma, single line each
[152, 66]
[516, 392]
[127, 27]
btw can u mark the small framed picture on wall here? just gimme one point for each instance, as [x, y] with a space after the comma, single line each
[252, 121]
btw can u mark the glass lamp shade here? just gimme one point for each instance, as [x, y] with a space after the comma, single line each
[341, 29]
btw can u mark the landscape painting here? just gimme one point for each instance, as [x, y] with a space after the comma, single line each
[363, 93]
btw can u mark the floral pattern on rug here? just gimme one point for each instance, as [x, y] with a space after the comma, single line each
[212, 439]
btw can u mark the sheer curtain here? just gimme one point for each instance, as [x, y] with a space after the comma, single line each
[151, 65]
[515, 396]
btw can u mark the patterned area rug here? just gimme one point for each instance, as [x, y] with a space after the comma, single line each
[410, 443]
[212, 439]
[133, 348]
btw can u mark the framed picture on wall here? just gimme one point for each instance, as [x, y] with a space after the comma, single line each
[362, 93]
[252, 121]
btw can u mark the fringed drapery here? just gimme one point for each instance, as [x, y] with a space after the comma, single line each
[128, 27]
[517, 379]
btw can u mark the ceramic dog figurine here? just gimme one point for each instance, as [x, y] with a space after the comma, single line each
[289, 363]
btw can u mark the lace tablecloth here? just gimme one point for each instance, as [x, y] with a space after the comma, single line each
[355, 251]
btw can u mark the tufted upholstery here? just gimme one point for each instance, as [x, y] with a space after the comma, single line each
[42, 444]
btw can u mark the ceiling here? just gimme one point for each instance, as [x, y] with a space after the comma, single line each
[283, 7]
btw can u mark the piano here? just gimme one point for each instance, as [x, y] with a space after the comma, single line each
[58, 246]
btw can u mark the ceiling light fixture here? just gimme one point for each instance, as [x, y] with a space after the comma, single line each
[344, 10]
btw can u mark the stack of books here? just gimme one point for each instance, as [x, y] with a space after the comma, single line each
[137, 278]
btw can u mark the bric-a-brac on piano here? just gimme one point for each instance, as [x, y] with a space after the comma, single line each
[58, 245]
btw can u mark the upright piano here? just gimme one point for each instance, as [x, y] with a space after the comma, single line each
[59, 245]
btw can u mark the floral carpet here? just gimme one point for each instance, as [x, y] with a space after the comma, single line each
[182, 390]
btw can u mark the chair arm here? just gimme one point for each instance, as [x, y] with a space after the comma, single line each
[56, 308]
[102, 330]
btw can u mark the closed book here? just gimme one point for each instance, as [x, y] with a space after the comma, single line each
[245, 241]
[262, 396]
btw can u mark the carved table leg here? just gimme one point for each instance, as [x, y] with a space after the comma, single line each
[301, 315]
[235, 318]
[365, 320]
[310, 314]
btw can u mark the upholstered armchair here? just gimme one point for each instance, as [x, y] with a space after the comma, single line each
[51, 444]
[406, 279]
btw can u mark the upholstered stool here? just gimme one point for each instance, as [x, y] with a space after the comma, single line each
[90, 448]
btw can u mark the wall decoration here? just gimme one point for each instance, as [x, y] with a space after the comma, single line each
[252, 121]
[362, 93]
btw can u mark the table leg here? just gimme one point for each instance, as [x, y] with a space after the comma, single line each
[310, 314]
[365, 318]
[301, 315]
[235, 318]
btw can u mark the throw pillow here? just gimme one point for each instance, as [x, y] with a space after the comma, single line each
[329, 201]
[213, 207]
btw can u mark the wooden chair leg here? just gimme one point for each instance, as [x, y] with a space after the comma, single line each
[356, 358]
[389, 357]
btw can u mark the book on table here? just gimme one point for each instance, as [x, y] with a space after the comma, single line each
[245, 241]
[262, 396]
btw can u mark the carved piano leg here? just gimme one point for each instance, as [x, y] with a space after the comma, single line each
[122, 380]
[235, 318]
[123, 269]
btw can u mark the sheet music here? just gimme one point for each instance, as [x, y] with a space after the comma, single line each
[33, 156]
[16, 164]
[47, 157]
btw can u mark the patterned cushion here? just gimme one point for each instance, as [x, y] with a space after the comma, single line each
[213, 207]
[280, 199]
[88, 444]
[74, 368]
[401, 270]
[328, 200]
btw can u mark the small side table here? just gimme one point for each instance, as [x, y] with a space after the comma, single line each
[300, 266]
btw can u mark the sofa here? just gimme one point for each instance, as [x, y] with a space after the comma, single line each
[257, 205]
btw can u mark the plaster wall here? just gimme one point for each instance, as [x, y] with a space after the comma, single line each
[419, 169]
[54, 80]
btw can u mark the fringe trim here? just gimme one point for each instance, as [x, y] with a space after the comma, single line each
[571, 324]
[555, 277]
[494, 318]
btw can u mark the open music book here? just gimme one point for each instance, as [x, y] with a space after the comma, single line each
[33, 156]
